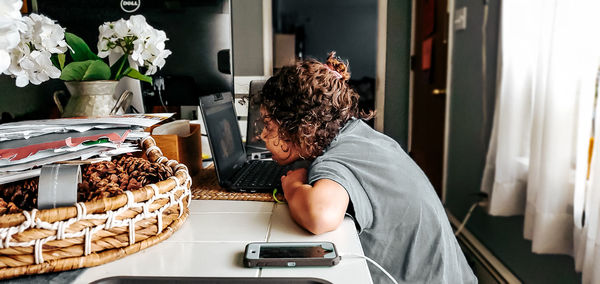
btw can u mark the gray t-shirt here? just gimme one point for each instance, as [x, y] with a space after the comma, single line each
[401, 221]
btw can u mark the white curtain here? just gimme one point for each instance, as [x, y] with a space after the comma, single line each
[537, 158]
[587, 199]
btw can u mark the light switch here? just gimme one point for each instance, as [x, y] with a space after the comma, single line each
[460, 19]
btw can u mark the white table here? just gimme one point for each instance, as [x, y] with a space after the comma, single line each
[212, 241]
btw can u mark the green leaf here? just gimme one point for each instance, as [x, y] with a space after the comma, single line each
[61, 60]
[132, 73]
[55, 61]
[86, 71]
[118, 68]
[80, 51]
[98, 70]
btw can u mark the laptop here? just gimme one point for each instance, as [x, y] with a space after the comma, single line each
[235, 171]
[255, 147]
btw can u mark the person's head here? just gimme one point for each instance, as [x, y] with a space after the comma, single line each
[304, 106]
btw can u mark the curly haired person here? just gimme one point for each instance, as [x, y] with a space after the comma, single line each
[311, 113]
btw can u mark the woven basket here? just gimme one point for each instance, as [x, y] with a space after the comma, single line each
[95, 232]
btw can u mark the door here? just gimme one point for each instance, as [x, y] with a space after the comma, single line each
[429, 65]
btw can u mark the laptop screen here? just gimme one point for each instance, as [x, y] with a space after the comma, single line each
[223, 134]
[255, 124]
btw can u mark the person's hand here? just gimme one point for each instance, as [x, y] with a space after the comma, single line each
[293, 180]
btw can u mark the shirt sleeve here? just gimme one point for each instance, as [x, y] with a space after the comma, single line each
[337, 172]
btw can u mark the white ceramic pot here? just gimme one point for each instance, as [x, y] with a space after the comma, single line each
[92, 98]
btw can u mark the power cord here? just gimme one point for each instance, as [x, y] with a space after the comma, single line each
[372, 262]
[275, 197]
[482, 201]
[159, 85]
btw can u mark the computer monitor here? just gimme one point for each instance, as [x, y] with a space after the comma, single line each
[199, 32]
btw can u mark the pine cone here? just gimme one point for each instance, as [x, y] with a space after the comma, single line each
[100, 180]
[164, 171]
[133, 184]
[3, 206]
[108, 179]
[107, 190]
[144, 171]
[12, 208]
[22, 193]
[8, 208]
[124, 180]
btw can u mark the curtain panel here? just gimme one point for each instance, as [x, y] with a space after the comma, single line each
[539, 150]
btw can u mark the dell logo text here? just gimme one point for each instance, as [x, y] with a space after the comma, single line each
[130, 6]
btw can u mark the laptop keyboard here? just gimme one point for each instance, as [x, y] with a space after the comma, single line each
[261, 174]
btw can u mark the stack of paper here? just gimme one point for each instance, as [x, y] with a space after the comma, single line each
[27, 145]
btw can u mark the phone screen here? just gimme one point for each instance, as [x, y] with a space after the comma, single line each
[290, 254]
[293, 252]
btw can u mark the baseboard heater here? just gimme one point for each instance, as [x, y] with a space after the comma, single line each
[493, 265]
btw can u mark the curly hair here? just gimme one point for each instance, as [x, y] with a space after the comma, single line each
[310, 102]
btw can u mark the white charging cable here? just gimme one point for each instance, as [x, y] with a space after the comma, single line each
[483, 202]
[159, 85]
[374, 263]
[466, 219]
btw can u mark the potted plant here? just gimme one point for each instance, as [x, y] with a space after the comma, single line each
[92, 82]
[33, 50]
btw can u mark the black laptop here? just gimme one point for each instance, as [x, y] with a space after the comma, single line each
[254, 122]
[235, 170]
[255, 147]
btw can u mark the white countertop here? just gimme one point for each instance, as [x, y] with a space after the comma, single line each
[212, 240]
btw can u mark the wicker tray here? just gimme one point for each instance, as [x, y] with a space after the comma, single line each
[95, 232]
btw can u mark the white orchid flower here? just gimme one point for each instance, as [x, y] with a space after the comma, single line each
[144, 44]
[9, 34]
[10, 25]
[10, 9]
[47, 35]
[103, 49]
[4, 60]
[120, 28]
[137, 24]
[30, 58]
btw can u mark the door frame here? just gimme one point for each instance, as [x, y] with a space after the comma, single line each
[450, 6]
[411, 79]
[380, 64]
[450, 46]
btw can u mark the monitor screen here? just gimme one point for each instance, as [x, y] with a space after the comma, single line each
[199, 32]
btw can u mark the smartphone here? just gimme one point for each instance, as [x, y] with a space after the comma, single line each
[290, 254]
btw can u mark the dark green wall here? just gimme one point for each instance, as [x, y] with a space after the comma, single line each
[397, 71]
[470, 126]
[471, 113]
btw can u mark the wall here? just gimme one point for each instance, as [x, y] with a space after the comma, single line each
[247, 22]
[347, 27]
[397, 70]
[30, 102]
[470, 126]
[470, 113]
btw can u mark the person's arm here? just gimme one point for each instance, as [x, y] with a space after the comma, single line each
[319, 208]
